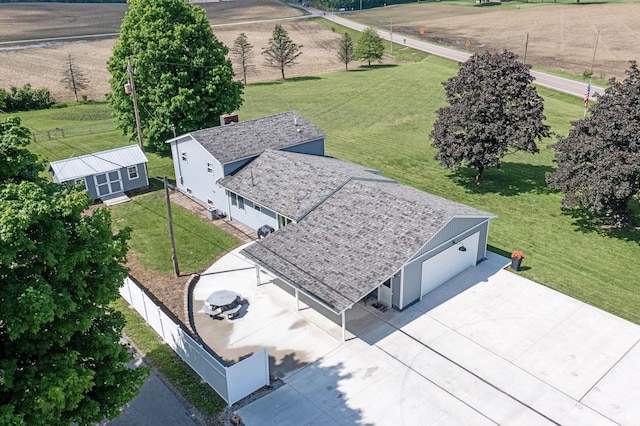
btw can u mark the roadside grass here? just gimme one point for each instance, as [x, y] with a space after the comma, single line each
[197, 241]
[169, 364]
[381, 117]
[72, 130]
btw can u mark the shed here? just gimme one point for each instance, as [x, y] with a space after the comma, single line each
[106, 173]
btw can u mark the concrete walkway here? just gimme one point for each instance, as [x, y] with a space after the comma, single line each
[488, 347]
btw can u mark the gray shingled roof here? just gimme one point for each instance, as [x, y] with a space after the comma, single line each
[291, 183]
[355, 240]
[252, 137]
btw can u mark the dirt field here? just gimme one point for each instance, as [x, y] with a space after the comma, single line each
[560, 36]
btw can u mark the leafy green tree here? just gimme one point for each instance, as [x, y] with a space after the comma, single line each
[345, 50]
[599, 161]
[492, 108]
[282, 51]
[182, 76]
[16, 162]
[60, 357]
[243, 51]
[370, 46]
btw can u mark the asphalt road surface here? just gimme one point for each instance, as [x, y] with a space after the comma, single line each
[560, 84]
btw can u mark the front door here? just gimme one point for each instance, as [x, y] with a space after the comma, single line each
[108, 183]
[384, 293]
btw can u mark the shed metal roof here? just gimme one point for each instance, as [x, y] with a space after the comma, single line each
[252, 137]
[99, 162]
[356, 239]
[292, 183]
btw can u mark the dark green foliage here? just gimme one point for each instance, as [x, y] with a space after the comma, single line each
[17, 164]
[60, 358]
[345, 50]
[599, 161]
[370, 46]
[26, 98]
[492, 108]
[182, 76]
[282, 51]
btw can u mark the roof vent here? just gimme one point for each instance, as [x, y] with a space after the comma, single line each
[295, 121]
[228, 119]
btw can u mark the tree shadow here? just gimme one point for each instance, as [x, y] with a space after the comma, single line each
[287, 80]
[585, 222]
[508, 180]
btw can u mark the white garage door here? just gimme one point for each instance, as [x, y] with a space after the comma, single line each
[449, 263]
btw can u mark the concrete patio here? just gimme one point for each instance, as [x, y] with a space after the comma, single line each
[487, 347]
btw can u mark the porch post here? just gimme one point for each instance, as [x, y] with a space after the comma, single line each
[297, 300]
[343, 327]
[257, 274]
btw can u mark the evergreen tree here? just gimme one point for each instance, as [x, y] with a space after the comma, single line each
[345, 50]
[243, 51]
[74, 79]
[282, 52]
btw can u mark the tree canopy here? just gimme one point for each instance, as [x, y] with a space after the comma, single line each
[599, 161]
[370, 46]
[492, 108]
[60, 359]
[17, 164]
[345, 50]
[282, 51]
[181, 74]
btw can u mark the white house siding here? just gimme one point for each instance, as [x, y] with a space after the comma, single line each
[192, 176]
[252, 217]
[451, 230]
[412, 271]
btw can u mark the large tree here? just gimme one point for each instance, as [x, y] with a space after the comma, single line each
[345, 50]
[60, 358]
[243, 51]
[17, 164]
[181, 75]
[74, 79]
[493, 108]
[599, 161]
[370, 46]
[282, 51]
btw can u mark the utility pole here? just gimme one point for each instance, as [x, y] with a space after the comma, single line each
[587, 93]
[391, 36]
[526, 45]
[174, 254]
[132, 91]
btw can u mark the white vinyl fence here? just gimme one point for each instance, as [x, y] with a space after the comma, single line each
[232, 383]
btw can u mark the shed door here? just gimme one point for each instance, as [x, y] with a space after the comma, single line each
[449, 263]
[108, 183]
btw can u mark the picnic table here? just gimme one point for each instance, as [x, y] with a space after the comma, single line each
[222, 302]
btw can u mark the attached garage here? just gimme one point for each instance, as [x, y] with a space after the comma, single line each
[449, 263]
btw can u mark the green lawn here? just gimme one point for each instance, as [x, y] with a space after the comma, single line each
[198, 242]
[62, 132]
[381, 117]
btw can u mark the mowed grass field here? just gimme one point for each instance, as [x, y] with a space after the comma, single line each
[381, 117]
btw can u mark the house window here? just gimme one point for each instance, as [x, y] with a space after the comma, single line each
[133, 172]
[283, 221]
[257, 208]
[237, 201]
[183, 157]
[210, 202]
[210, 168]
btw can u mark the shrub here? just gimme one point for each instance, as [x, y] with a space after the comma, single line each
[26, 98]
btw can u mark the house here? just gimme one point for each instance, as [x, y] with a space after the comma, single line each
[344, 232]
[104, 174]
[203, 157]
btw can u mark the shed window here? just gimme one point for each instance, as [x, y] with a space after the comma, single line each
[183, 157]
[210, 168]
[133, 172]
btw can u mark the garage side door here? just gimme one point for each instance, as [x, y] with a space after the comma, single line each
[449, 263]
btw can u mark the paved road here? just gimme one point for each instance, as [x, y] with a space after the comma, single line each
[560, 84]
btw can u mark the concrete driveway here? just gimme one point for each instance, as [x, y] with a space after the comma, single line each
[488, 347]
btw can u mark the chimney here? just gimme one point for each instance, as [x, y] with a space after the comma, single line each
[228, 119]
